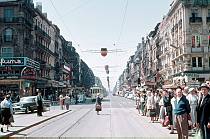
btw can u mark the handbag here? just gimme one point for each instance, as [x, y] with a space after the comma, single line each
[166, 121]
[198, 134]
[98, 107]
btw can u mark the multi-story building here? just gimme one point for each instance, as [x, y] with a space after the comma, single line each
[33, 53]
[17, 69]
[188, 36]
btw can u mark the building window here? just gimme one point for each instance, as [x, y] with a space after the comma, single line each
[208, 12]
[194, 62]
[200, 62]
[196, 41]
[8, 14]
[209, 61]
[6, 52]
[209, 40]
[8, 34]
[194, 12]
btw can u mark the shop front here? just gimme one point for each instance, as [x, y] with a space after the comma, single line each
[18, 75]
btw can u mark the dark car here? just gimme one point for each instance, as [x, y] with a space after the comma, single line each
[27, 104]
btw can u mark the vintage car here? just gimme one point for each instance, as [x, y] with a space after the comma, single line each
[27, 104]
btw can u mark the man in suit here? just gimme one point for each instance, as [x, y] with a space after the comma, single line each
[203, 112]
[39, 104]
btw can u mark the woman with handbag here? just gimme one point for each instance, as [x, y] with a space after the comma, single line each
[168, 106]
[98, 103]
[151, 106]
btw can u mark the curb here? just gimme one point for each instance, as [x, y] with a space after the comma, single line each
[30, 126]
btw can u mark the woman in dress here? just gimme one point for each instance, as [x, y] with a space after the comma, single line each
[98, 103]
[6, 111]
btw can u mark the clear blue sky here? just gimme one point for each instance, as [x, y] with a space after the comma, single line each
[93, 24]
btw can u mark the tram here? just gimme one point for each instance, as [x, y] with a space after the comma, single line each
[94, 90]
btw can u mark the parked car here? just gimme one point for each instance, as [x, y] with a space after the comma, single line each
[130, 96]
[27, 104]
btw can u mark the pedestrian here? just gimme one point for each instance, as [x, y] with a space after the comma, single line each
[98, 103]
[138, 101]
[6, 111]
[67, 101]
[168, 107]
[11, 119]
[162, 109]
[193, 101]
[182, 111]
[157, 106]
[61, 101]
[203, 112]
[142, 102]
[39, 104]
[151, 106]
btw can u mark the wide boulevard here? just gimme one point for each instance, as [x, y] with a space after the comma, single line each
[118, 118]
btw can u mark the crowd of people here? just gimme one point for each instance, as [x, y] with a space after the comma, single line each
[181, 109]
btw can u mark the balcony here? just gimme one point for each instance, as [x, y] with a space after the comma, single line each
[197, 68]
[197, 50]
[42, 32]
[16, 20]
[44, 48]
[195, 19]
[207, 19]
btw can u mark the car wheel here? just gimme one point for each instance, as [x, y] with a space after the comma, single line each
[27, 109]
[32, 110]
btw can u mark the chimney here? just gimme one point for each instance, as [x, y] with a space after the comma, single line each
[45, 15]
[39, 6]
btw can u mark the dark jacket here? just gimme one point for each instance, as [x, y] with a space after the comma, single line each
[167, 103]
[203, 111]
[98, 100]
[182, 106]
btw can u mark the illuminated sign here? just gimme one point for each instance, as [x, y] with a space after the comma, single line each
[67, 68]
[7, 0]
[12, 61]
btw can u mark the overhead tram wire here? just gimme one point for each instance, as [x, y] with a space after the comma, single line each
[78, 7]
[64, 24]
[123, 23]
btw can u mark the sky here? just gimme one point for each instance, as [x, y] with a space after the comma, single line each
[111, 24]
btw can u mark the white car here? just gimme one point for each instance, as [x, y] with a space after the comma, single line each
[130, 96]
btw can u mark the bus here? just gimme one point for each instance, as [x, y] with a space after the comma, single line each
[94, 90]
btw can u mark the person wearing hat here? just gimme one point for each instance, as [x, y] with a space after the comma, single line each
[203, 112]
[193, 101]
[98, 103]
[6, 112]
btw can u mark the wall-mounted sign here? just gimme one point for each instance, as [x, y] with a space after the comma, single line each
[19, 61]
[29, 74]
[67, 68]
[7, 0]
[12, 61]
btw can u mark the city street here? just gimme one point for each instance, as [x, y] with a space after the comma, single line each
[118, 118]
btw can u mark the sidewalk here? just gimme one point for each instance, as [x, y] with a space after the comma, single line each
[26, 121]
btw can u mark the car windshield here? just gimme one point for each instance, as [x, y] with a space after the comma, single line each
[24, 99]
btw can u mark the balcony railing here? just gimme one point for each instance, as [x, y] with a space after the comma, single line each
[20, 20]
[42, 32]
[208, 19]
[197, 50]
[195, 19]
[41, 46]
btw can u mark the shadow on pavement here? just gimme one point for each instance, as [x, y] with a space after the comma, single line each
[105, 114]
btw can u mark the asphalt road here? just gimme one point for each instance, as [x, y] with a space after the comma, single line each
[118, 118]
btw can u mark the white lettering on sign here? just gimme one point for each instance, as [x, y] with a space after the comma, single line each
[10, 61]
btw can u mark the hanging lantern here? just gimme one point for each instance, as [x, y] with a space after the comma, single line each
[103, 52]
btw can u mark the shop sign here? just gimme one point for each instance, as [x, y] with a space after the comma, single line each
[29, 74]
[12, 61]
[7, 0]
[67, 68]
